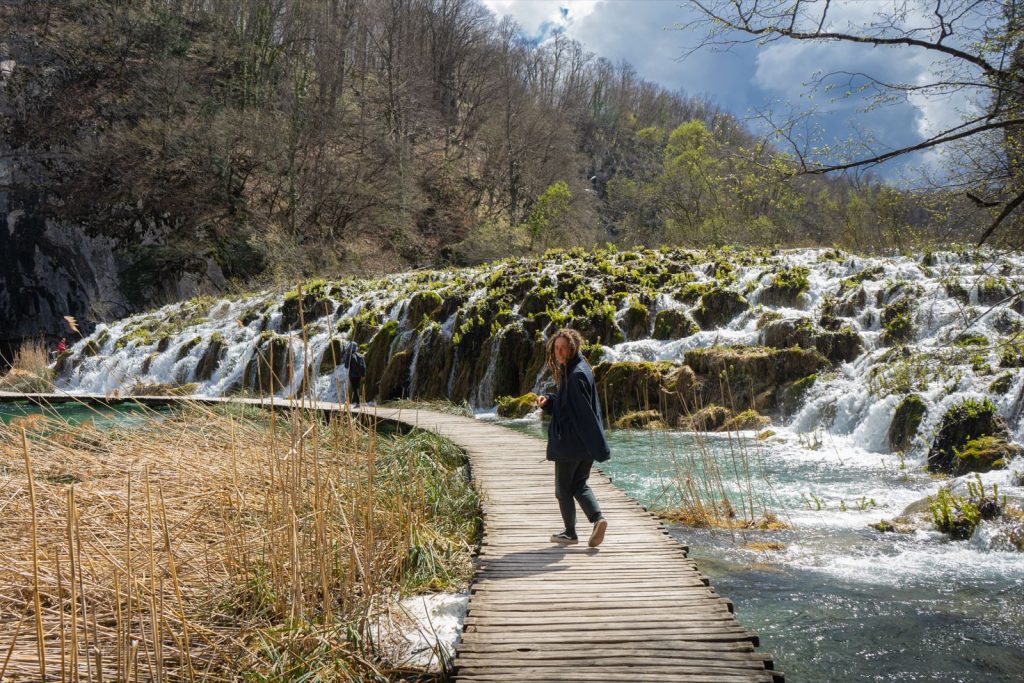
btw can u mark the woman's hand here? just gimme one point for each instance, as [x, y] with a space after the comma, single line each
[542, 401]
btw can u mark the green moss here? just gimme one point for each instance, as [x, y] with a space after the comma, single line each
[905, 422]
[673, 323]
[1000, 385]
[718, 307]
[516, 406]
[636, 320]
[187, 347]
[748, 419]
[421, 307]
[1011, 356]
[984, 453]
[641, 419]
[969, 339]
[793, 395]
[897, 322]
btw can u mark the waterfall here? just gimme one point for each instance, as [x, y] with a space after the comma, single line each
[944, 327]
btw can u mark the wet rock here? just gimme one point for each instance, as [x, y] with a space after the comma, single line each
[966, 422]
[898, 322]
[433, 364]
[840, 346]
[394, 382]
[905, 422]
[517, 355]
[335, 354]
[270, 368]
[719, 306]
[633, 386]
[674, 323]
[637, 321]
[786, 287]
[377, 354]
[750, 377]
[422, 306]
[1001, 385]
[787, 332]
[212, 355]
[792, 396]
[314, 304]
[993, 290]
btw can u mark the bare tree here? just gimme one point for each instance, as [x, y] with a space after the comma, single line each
[977, 52]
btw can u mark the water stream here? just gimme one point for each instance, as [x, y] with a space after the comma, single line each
[840, 601]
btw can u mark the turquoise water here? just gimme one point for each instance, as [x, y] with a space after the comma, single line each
[124, 415]
[840, 601]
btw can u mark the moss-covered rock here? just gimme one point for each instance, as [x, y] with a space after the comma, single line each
[719, 306]
[962, 423]
[1001, 384]
[377, 354]
[674, 323]
[786, 332]
[394, 382]
[641, 419]
[637, 321]
[537, 300]
[905, 422]
[986, 453]
[212, 355]
[433, 364]
[839, 346]
[270, 369]
[422, 306]
[296, 312]
[634, 386]
[748, 419]
[707, 419]
[334, 355]
[516, 407]
[993, 290]
[516, 357]
[187, 347]
[898, 322]
[1011, 355]
[791, 397]
[750, 377]
[785, 287]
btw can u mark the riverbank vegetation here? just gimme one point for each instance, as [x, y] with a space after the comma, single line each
[263, 142]
[218, 543]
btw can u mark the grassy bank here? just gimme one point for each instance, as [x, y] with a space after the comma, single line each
[220, 544]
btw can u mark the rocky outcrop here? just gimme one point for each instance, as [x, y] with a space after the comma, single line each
[718, 306]
[971, 438]
[905, 422]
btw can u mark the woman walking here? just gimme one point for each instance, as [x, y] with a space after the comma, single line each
[575, 435]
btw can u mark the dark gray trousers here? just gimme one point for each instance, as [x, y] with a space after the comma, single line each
[571, 487]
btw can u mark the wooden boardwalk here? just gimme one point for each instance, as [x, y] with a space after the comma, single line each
[634, 609]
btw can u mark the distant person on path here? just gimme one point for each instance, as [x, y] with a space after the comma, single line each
[356, 372]
[62, 345]
[575, 435]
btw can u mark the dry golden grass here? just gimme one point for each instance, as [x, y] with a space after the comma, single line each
[29, 372]
[209, 543]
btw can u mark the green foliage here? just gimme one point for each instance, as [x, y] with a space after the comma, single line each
[897, 322]
[550, 213]
[959, 516]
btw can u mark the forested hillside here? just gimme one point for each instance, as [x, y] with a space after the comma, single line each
[277, 139]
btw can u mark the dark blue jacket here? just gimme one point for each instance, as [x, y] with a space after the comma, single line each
[575, 431]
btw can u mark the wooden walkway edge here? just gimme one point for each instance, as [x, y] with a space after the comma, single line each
[634, 609]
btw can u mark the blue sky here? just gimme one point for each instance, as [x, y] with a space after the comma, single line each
[746, 79]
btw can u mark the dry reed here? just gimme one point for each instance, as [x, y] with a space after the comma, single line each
[29, 370]
[211, 544]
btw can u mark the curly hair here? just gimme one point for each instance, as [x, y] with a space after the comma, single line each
[575, 340]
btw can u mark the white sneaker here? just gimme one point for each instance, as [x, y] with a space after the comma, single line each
[563, 538]
[597, 535]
